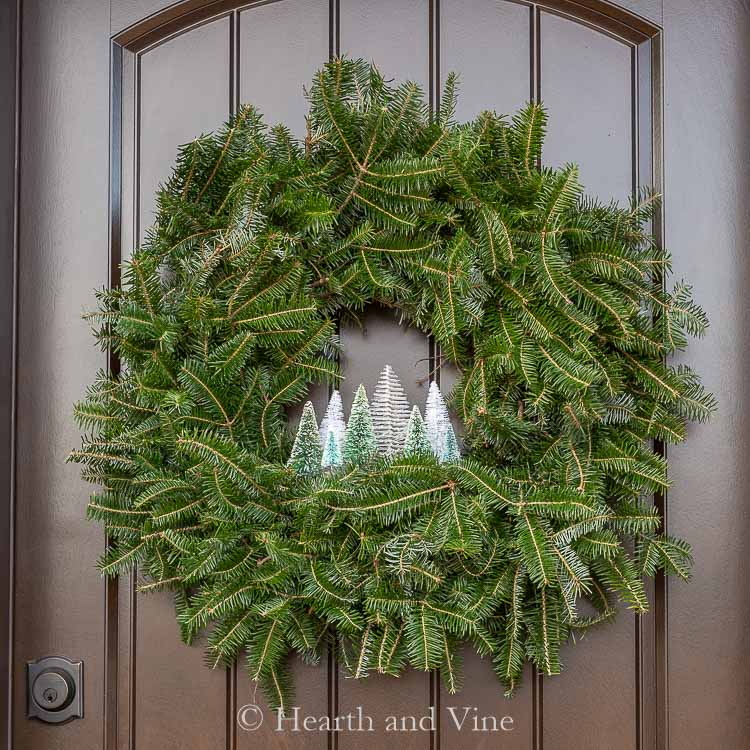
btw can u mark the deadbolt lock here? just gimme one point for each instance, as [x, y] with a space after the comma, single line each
[55, 689]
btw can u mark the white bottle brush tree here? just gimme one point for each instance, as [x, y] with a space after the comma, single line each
[307, 451]
[333, 431]
[390, 413]
[360, 444]
[440, 431]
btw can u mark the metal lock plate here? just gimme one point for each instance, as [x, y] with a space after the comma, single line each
[55, 689]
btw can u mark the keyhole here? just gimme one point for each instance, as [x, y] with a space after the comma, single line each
[50, 695]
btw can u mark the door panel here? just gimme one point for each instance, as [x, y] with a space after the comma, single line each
[183, 66]
[483, 695]
[489, 49]
[393, 33]
[182, 90]
[281, 45]
[398, 34]
[586, 84]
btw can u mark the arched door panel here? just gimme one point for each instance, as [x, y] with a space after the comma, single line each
[184, 77]
[587, 82]
[179, 89]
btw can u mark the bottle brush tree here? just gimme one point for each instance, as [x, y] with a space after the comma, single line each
[417, 442]
[333, 420]
[307, 452]
[451, 451]
[360, 444]
[390, 413]
[437, 420]
[331, 451]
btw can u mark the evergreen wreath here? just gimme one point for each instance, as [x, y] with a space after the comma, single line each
[552, 306]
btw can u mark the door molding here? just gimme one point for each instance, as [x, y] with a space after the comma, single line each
[599, 14]
[10, 70]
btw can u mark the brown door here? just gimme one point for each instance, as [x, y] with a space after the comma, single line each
[657, 94]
